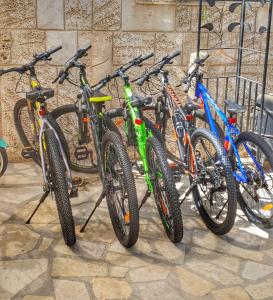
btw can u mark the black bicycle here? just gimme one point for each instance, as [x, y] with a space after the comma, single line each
[112, 161]
[44, 142]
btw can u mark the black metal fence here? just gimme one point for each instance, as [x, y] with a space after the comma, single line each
[249, 92]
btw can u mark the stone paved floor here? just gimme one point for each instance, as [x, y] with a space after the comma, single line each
[35, 264]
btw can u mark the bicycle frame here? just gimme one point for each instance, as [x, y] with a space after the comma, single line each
[96, 120]
[140, 130]
[230, 133]
[43, 125]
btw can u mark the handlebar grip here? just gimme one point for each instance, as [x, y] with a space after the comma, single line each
[51, 51]
[174, 54]
[205, 58]
[62, 77]
[141, 80]
[187, 86]
[88, 47]
[147, 56]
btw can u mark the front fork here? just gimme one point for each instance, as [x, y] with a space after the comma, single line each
[45, 124]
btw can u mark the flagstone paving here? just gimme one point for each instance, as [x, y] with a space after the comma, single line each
[35, 264]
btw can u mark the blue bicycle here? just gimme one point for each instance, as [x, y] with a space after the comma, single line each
[3, 157]
[250, 154]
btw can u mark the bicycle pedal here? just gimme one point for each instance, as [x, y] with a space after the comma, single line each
[28, 152]
[81, 153]
[74, 192]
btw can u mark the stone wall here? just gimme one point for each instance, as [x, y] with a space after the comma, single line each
[118, 31]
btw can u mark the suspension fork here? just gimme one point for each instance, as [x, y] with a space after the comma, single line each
[46, 123]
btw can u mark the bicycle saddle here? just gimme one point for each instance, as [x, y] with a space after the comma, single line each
[98, 96]
[41, 94]
[138, 101]
[268, 99]
[190, 107]
[234, 108]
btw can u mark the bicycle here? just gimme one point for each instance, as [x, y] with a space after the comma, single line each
[201, 155]
[113, 162]
[47, 147]
[141, 134]
[3, 157]
[250, 154]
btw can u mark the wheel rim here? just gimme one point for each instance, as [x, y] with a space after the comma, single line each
[211, 181]
[258, 192]
[1, 163]
[117, 193]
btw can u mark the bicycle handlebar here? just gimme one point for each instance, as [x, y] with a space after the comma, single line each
[165, 60]
[186, 81]
[137, 61]
[37, 57]
[71, 63]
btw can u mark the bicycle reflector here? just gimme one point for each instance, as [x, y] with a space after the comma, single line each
[232, 120]
[138, 121]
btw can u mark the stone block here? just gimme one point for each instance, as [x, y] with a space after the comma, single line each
[183, 17]
[7, 90]
[68, 290]
[68, 39]
[25, 43]
[168, 2]
[5, 47]
[78, 14]
[101, 47]
[128, 45]
[147, 17]
[50, 14]
[168, 43]
[111, 288]
[107, 14]
[17, 14]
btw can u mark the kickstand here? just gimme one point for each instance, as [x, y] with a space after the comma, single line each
[146, 196]
[42, 199]
[102, 195]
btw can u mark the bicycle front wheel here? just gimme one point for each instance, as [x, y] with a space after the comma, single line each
[3, 161]
[57, 171]
[256, 195]
[215, 189]
[121, 193]
[165, 193]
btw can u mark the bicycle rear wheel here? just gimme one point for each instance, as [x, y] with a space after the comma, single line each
[59, 183]
[121, 194]
[70, 120]
[25, 130]
[256, 196]
[165, 193]
[215, 190]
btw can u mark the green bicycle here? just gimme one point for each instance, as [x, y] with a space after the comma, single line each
[153, 163]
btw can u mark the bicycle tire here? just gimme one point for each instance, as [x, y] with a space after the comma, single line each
[4, 160]
[112, 138]
[172, 197]
[267, 151]
[60, 187]
[202, 116]
[71, 108]
[223, 158]
[19, 105]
